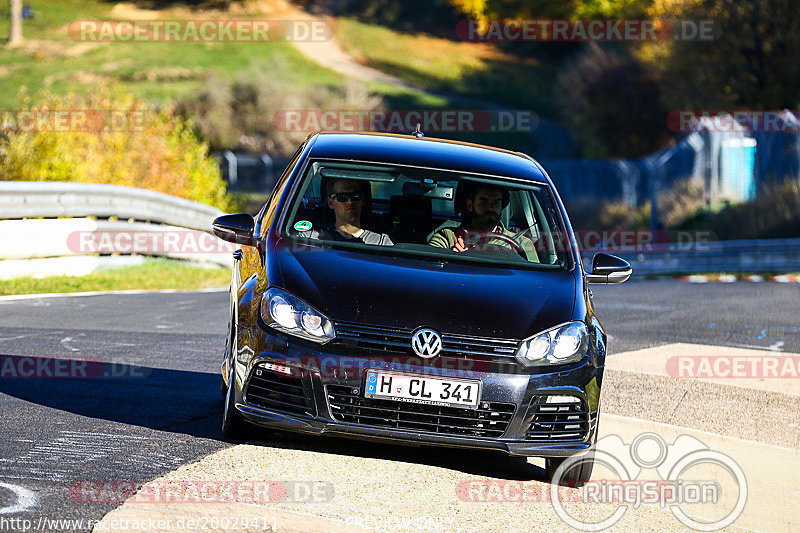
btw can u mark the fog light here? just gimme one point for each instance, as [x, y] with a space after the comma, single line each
[562, 399]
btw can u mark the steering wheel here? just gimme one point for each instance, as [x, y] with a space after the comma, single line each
[486, 237]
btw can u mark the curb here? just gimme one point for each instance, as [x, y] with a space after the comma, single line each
[730, 278]
[14, 297]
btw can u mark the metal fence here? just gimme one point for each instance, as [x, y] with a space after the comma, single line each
[730, 165]
[249, 173]
[49, 228]
[763, 255]
[35, 199]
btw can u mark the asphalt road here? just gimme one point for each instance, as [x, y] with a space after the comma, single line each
[158, 407]
[641, 314]
[157, 410]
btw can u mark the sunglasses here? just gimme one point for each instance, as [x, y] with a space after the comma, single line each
[345, 196]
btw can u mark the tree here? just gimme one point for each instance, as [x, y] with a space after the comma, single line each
[613, 104]
[15, 34]
[112, 137]
[537, 9]
[750, 64]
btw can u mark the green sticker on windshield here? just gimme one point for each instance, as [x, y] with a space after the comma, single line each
[302, 225]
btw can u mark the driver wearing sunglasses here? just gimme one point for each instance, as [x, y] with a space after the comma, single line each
[346, 199]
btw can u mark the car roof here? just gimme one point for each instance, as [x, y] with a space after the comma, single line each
[425, 152]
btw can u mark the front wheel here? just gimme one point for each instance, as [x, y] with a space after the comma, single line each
[228, 358]
[580, 469]
[233, 425]
[578, 473]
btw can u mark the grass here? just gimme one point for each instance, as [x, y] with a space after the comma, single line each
[159, 71]
[400, 98]
[152, 275]
[164, 72]
[478, 70]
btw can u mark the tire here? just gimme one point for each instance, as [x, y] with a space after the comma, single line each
[575, 475]
[233, 425]
[223, 388]
[580, 472]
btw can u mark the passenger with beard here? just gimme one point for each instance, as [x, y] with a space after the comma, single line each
[346, 197]
[480, 218]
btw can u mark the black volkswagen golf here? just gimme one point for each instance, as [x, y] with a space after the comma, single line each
[416, 290]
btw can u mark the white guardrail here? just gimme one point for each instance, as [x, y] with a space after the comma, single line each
[127, 221]
[761, 255]
[46, 229]
[26, 199]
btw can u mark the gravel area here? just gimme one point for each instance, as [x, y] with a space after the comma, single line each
[394, 495]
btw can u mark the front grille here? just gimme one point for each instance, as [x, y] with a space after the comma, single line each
[490, 421]
[374, 338]
[564, 418]
[395, 340]
[273, 390]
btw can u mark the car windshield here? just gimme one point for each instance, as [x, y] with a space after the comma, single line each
[429, 214]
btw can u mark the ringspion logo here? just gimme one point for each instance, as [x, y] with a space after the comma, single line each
[679, 476]
[674, 489]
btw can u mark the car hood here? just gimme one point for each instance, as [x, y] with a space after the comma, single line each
[406, 293]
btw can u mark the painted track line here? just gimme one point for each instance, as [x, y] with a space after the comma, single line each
[14, 297]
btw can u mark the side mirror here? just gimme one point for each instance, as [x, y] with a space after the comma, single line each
[608, 268]
[236, 229]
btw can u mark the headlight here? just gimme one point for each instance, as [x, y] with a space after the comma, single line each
[566, 343]
[287, 313]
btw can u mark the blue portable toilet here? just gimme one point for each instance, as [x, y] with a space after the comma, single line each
[737, 165]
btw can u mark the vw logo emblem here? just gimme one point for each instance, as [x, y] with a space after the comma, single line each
[426, 343]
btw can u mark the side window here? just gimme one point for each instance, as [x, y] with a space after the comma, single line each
[260, 216]
[553, 242]
[267, 214]
[521, 214]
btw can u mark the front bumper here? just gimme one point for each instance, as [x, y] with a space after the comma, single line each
[314, 390]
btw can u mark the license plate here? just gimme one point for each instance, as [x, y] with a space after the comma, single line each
[463, 393]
